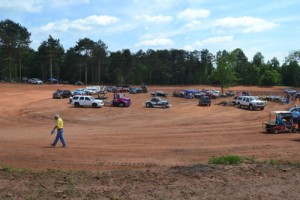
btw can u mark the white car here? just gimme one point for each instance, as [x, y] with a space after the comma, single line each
[87, 101]
[35, 81]
[156, 102]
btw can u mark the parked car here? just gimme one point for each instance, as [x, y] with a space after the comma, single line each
[212, 95]
[79, 83]
[86, 101]
[250, 102]
[135, 90]
[59, 94]
[144, 87]
[159, 94]
[35, 81]
[200, 94]
[289, 91]
[52, 81]
[122, 88]
[157, 102]
[121, 100]
[204, 101]
[80, 91]
[229, 93]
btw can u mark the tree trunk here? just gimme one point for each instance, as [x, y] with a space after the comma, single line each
[51, 69]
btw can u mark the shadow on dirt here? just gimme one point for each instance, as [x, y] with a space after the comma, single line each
[296, 140]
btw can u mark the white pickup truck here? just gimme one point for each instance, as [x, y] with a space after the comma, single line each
[250, 102]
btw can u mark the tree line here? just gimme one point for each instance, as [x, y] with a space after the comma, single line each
[90, 62]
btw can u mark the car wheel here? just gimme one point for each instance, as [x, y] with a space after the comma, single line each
[148, 105]
[250, 107]
[122, 105]
[164, 106]
[94, 105]
[239, 105]
[262, 108]
[77, 105]
[294, 130]
[276, 131]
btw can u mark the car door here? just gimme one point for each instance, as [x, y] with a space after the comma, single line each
[82, 101]
[154, 102]
[87, 101]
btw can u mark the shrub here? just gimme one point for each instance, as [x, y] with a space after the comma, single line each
[230, 160]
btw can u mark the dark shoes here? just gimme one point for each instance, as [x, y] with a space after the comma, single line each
[64, 146]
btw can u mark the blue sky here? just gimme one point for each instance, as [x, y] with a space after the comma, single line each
[271, 27]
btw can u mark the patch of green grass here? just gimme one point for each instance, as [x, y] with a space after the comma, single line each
[13, 170]
[231, 160]
[272, 162]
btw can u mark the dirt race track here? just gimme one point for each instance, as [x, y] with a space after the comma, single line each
[134, 137]
[142, 153]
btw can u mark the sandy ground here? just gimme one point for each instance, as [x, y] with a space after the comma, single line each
[142, 153]
[134, 137]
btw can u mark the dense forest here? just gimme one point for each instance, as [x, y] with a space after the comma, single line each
[92, 63]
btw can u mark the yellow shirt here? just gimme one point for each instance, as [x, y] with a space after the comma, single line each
[59, 123]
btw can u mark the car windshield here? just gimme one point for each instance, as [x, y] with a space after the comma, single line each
[253, 98]
[92, 98]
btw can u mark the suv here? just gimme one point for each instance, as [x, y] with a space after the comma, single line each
[157, 102]
[59, 94]
[204, 101]
[87, 101]
[250, 102]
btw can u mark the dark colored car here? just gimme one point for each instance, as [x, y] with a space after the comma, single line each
[59, 94]
[135, 90]
[204, 101]
[159, 94]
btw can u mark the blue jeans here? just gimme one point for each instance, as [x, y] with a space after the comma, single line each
[60, 136]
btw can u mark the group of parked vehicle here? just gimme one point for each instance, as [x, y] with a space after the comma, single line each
[83, 97]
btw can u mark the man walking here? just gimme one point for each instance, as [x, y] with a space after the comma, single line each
[60, 131]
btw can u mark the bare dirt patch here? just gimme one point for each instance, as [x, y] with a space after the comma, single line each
[139, 139]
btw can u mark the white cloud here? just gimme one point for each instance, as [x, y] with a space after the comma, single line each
[154, 19]
[188, 48]
[85, 24]
[33, 6]
[155, 42]
[215, 40]
[60, 3]
[36, 6]
[246, 24]
[191, 14]
[193, 25]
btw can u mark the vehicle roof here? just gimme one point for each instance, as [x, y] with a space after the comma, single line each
[280, 111]
[82, 96]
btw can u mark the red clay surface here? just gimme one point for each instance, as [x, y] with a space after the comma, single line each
[134, 137]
